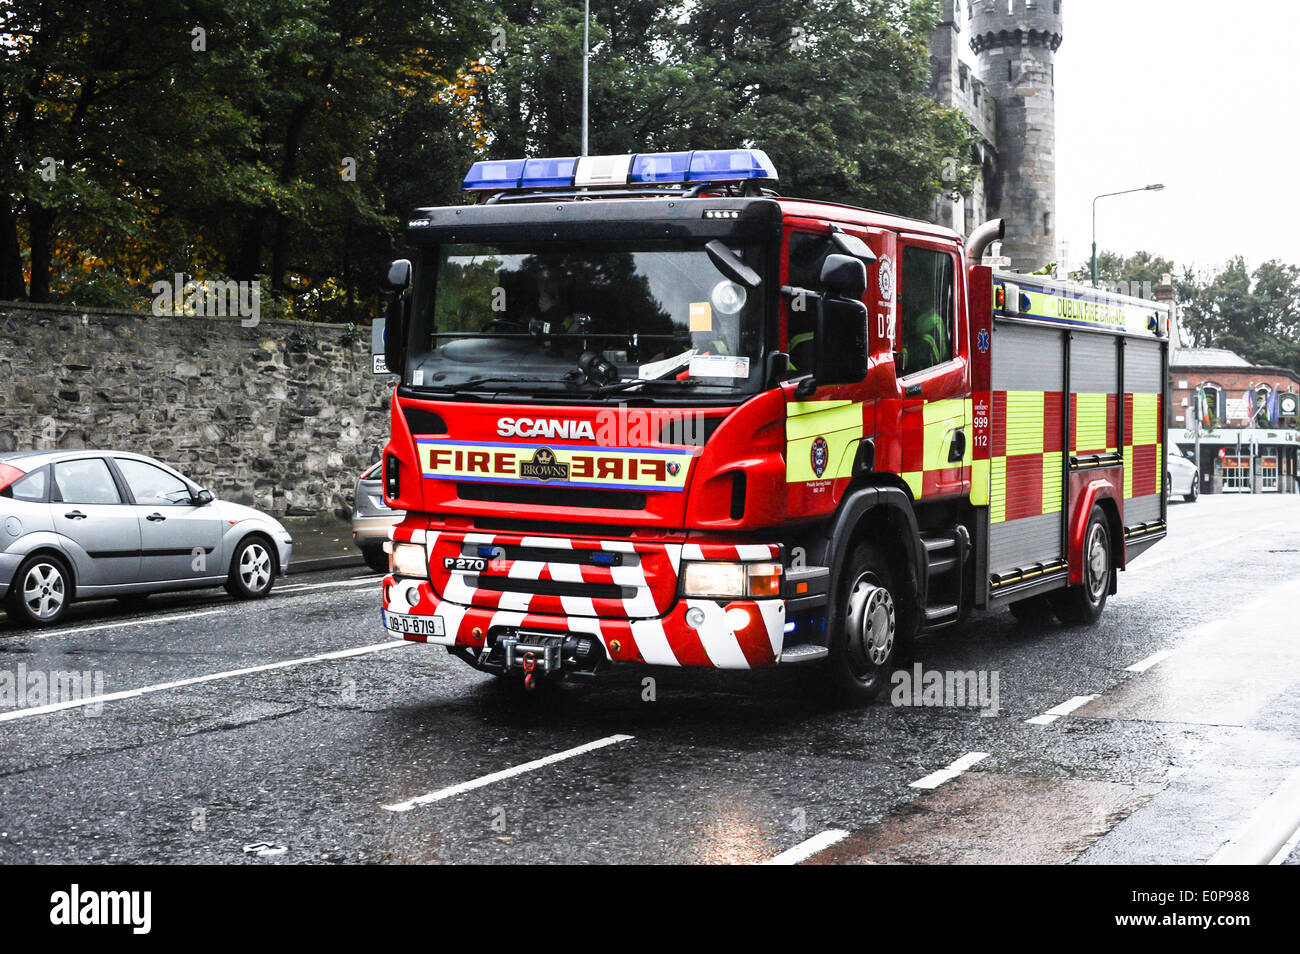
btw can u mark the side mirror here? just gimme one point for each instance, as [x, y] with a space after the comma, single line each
[398, 281]
[845, 277]
[840, 352]
[399, 275]
[202, 498]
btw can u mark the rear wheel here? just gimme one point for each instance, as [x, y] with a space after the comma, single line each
[252, 570]
[41, 591]
[872, 633]
[1081, 605]
[1196, 489]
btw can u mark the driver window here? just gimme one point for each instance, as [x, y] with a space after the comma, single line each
[807, 253]
[926, 306]
[152, 486]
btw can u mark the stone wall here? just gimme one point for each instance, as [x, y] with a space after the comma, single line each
[282, 416]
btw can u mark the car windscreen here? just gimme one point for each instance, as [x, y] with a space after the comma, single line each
[661, 314]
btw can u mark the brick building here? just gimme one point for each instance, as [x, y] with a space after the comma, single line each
[1248, 423]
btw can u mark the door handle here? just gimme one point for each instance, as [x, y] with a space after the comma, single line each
[155, 517]
[914, 390]
[75, 515]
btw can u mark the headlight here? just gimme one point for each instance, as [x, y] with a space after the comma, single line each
[731, 580]
[409, 559]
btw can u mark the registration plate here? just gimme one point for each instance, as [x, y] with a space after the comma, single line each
[413, 625]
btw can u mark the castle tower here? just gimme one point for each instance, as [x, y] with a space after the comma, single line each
[1016, 43]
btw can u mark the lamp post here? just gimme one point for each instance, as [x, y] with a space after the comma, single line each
[1156, 187]
[586, 25]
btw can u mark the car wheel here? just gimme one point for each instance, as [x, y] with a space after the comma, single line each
[252, 570]
[1169, 486]
[1196, 489]
[41, 592]
[872, 633]
[375, 557]
[1081, 605]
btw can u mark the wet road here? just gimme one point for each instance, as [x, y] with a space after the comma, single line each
[1171, 732]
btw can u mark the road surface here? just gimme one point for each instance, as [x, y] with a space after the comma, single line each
[293, 730]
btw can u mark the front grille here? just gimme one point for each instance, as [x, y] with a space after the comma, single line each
[555, 528]
[509, 584]
[552, 496]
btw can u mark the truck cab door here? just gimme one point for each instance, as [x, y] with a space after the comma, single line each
[932, 369]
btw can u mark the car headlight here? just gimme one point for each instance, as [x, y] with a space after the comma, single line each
[409, 559]
[731, 580]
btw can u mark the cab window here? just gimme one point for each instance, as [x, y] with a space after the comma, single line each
[926, 305]
[807, 253]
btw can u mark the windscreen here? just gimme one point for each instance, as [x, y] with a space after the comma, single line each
[653, 317]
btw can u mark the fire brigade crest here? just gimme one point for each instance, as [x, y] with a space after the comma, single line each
[885, 276]
[543, 466]
[820, 455]
[673, 468]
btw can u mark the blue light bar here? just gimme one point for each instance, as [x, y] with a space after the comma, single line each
[663, 168]
[495, 174]
[726, 165]
[547, 173]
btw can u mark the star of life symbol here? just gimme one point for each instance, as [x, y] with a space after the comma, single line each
[982, 340]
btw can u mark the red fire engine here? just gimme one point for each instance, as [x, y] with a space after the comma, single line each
[652, 412]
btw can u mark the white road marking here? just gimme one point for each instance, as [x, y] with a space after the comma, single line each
[1285, 852]
[297, 587]
[1144, 664]
[1065, 708]
[47, 634]
[195, 680]
[935, 779]
[504, 774]
[1268, 831]
[806, 849]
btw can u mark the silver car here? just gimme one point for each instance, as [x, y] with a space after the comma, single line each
[85, 524]
[1182, 477]
[372, 518]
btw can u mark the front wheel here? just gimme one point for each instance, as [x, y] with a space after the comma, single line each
[1196, 489]
[252, 570]
[1081, 605]
[872, 632]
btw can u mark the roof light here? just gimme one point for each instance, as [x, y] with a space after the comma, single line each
[665, 168]
[494, 175]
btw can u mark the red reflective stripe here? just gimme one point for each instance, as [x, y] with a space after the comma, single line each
[999, 424]
[1112, 420]
[1024, 486]
[1053, 412]
[1144, 470]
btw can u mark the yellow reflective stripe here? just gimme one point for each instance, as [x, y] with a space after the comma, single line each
[915, 480]
[979, 483]
[1128, 473]
[1146, 429]
[1160, 468]
[839, 423]
[1090, 423]
[1053, 481]
[1024, 423]
[998, 490]
[942, 419]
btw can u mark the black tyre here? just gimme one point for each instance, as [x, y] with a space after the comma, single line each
[1035, 610]
[41, 591]
[873, 632]
[1196, 489]
[252, 570]
[1081, 605]
[375, 557]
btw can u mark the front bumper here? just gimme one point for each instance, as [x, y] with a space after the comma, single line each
[739, 634]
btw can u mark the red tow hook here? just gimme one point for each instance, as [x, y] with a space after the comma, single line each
[530, 676]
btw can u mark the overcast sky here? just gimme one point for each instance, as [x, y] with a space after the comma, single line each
[1202, 95]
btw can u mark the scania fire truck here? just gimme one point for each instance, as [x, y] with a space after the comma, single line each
[652, 412]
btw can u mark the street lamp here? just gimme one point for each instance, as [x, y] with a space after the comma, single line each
[1156, 187]
[586, 27]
